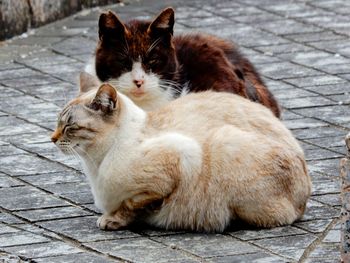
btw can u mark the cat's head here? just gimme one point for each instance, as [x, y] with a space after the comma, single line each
[86, 120]
[138, 56]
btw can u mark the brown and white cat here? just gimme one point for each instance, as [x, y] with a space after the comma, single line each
[151, 66]
[198, 163]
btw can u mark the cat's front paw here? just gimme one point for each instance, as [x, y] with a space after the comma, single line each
[108, 222]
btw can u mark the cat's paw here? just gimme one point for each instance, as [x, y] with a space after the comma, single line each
[108, 222]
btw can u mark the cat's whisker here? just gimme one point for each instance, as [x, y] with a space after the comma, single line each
[178, 87]
[153, 45]
[172, 88]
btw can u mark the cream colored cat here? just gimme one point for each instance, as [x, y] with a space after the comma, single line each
[198, 163]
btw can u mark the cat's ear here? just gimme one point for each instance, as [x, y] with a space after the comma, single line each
[87, 82]
[110, 27]
[164, 23]
[105, 99]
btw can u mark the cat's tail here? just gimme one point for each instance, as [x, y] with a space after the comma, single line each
[257, 91]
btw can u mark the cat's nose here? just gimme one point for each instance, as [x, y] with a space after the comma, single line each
[138, 82]
[55, 136]
[54, 139]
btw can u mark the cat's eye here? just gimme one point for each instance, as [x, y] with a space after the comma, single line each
[125, 62]
[152, 62]
[70, 128]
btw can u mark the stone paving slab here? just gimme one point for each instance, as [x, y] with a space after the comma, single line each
[301, 48]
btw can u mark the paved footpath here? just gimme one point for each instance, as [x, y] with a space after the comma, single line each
[302, 48]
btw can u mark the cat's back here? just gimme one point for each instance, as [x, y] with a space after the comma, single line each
[213, 109]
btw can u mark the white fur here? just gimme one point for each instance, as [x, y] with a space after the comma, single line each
[212, 157]
[154, 96]
[189, 149]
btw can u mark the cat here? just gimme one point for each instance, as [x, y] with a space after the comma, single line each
[198, 163]
[152, 67]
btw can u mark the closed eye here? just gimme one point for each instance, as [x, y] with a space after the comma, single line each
[70, 127]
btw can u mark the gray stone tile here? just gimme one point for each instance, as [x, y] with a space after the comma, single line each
[325, 252]
[36, 113]
[140, 250]
[42, 135]
[17, 126]
[53, 92]
[6, 65]
[45, 58]
[257, 18]
[10, 92]
[335, 69]
[329, 167]
[284, 27]
[294, 10]
[284, 70]
[315, 59]
[293, 246]
[51, 152]
[52, 213]
[78, 192]
[10, 52]
[5, 229]
[7, 181]
[321, 154]
[303, 123]
[10, 150]
[316, 210]
[53, 178]
[329, 142]
[314, 36]
[38, 79]
[333, 236]
[329, 199]
[318, 132]
[325, 187]
[315, 226]
[315, 81]
[267, 233]
[28, 165]
[36, 40]
[275, 50]
[251, 257]
[20, 238]
[203, 22]
[9, 219]
[73, 45]
[208, 245]
[84, 229]
[333, 89]
[43, 250]
[335, 114]
[281, 94]
[76, 258]
[25, 197]
[16, 73]
[288, 116]
[279, 86]
[238, 35]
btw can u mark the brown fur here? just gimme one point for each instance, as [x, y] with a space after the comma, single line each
[205, 62]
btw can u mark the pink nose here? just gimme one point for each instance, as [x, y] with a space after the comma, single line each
[138, 82]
